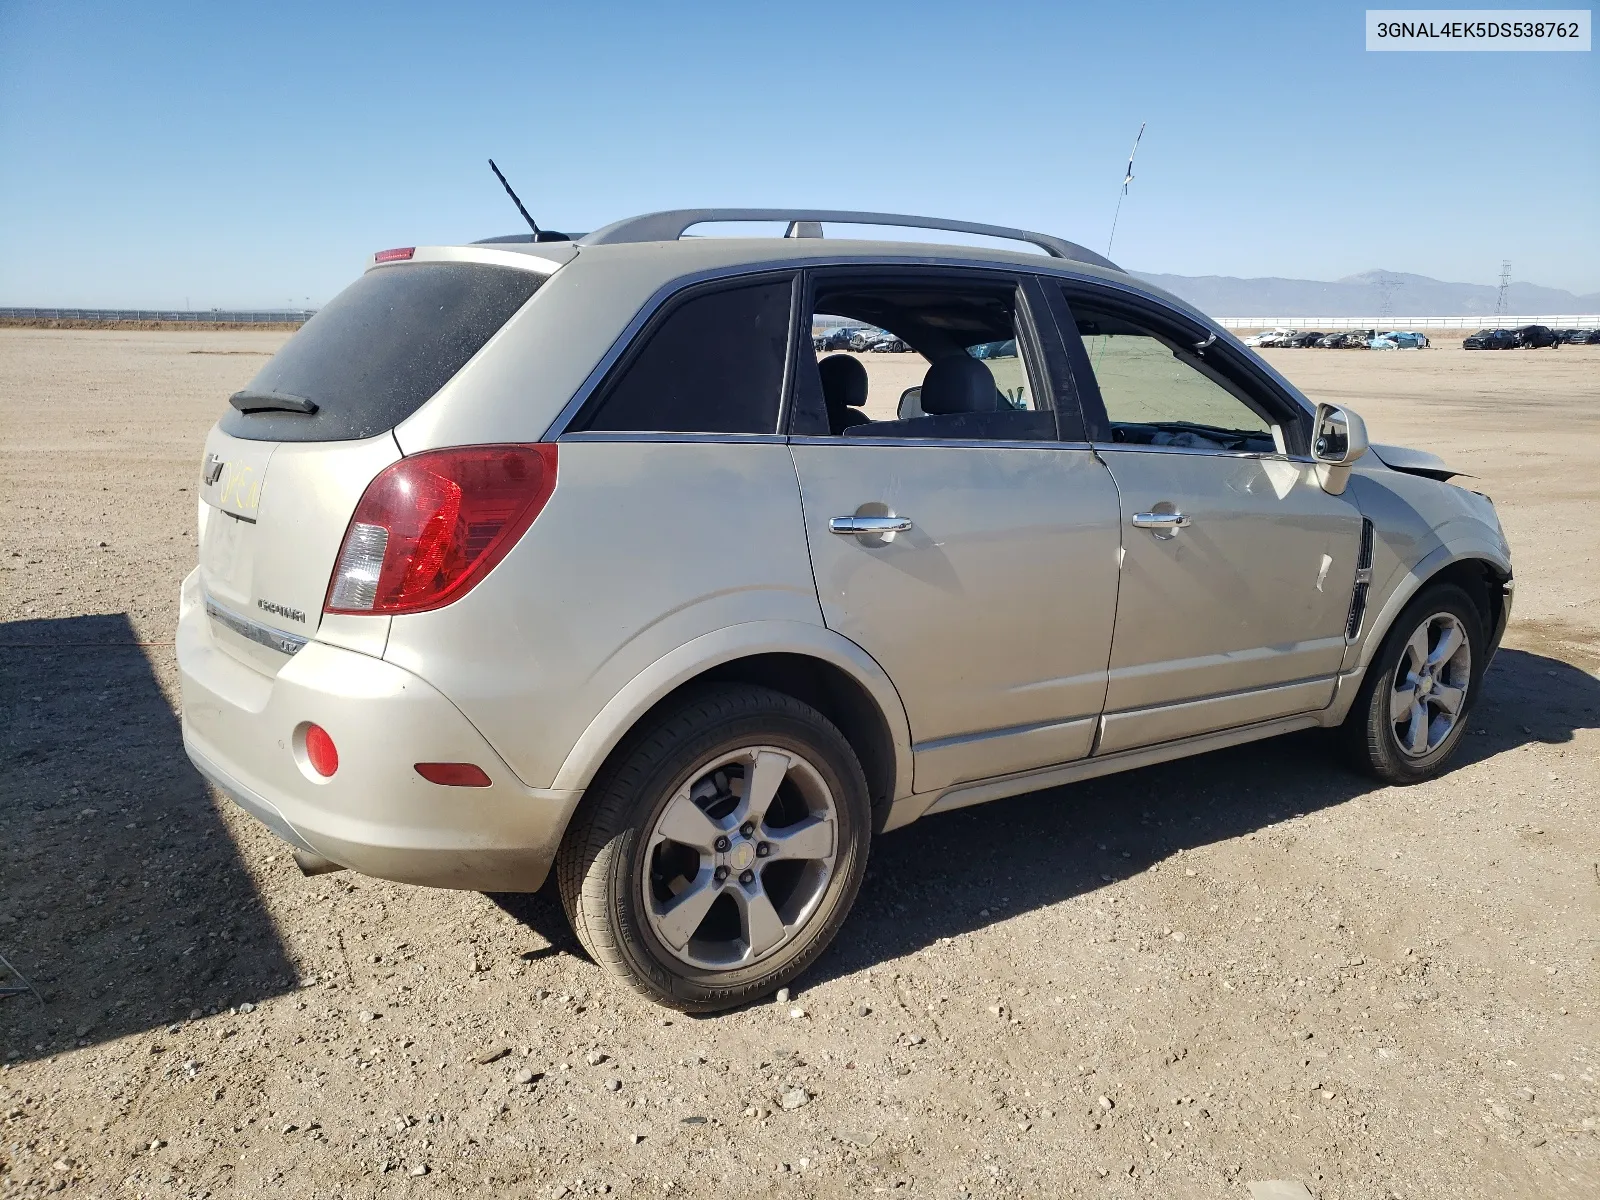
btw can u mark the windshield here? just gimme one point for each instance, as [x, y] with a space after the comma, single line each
[380, 349]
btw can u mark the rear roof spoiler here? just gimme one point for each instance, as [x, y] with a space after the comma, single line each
[669, 227]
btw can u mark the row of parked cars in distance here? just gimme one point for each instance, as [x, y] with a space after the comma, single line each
[1524, 336]
[865, 340]
[1530, 336]
[1347, 339]
[858, 338]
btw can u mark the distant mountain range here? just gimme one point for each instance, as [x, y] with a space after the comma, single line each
[1364, 295]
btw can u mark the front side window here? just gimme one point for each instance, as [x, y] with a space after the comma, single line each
[1159, 391]
[712, 364]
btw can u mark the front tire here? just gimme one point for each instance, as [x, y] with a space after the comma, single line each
[1413, 705]
[718, 852]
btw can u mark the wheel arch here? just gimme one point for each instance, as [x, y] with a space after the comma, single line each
[810, 663]
[838, 696]
[1484, 577]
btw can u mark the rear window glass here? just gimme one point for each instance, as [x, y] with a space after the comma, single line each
[714, 365]
[381, 348]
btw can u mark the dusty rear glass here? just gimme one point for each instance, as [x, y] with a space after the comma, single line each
[381, 348]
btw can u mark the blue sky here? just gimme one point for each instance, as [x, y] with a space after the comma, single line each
[210, 154]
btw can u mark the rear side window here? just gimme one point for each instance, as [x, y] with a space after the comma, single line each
[381, 348]
[714, 364]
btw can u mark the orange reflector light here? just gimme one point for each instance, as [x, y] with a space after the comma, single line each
[320, 751]
[398, 254]
[453, 774]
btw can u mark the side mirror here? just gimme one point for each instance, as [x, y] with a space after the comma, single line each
[1338, 439]
[910, 404]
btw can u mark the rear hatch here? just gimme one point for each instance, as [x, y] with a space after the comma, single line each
[288, 462]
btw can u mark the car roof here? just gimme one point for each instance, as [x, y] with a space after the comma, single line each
[692, 255]
[598, 287]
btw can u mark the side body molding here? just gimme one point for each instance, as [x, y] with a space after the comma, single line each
[721, 646]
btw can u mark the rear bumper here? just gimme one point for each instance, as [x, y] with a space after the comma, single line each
[375, 815]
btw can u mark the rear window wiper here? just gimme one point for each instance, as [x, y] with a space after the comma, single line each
[249, 401]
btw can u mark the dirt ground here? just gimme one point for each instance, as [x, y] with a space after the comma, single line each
[1248, 966]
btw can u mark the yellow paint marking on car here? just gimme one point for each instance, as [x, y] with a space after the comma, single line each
[240, 487]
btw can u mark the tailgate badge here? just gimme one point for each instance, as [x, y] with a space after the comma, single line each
[281, 610]
[213, 469]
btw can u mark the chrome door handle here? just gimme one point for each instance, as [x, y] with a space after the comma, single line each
[1159, 520]
[860, 526]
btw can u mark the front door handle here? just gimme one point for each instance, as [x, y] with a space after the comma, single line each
[862, 526]
[1162, 522]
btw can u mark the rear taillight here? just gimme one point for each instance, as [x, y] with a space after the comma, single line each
[398, 254]
[431, 526]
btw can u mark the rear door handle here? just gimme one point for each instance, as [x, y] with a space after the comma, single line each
[860, 526]
[1160, 520]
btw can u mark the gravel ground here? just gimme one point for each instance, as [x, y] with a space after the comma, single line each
[1248, 966]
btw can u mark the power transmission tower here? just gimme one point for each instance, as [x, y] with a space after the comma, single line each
[1387, 284]
[1505, 286]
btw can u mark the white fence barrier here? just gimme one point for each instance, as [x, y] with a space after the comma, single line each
[1332, 324]
[228, 316]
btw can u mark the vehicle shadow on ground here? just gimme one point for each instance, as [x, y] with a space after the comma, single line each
[124, 901]
[542, 913]
[950, 874]
[937, 878]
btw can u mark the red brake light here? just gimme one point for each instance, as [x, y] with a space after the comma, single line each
[429, 527]
[398, 254]
[320, 751]
[453, 774]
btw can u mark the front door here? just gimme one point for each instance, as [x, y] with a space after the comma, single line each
[1237, 568]
[991, 609]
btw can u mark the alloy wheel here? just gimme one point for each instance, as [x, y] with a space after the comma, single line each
[1429, 690]
[739, 858]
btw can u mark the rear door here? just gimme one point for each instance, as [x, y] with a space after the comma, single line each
[287, 463]
[992, 609]
[1238, 568]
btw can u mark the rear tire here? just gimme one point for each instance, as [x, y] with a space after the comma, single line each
[719, 850]
[1413, 705]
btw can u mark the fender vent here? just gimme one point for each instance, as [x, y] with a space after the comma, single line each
[1358, 597]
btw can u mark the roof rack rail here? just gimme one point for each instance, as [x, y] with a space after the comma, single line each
[805, 222]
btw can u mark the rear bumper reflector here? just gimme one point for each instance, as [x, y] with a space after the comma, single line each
[453, 774]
